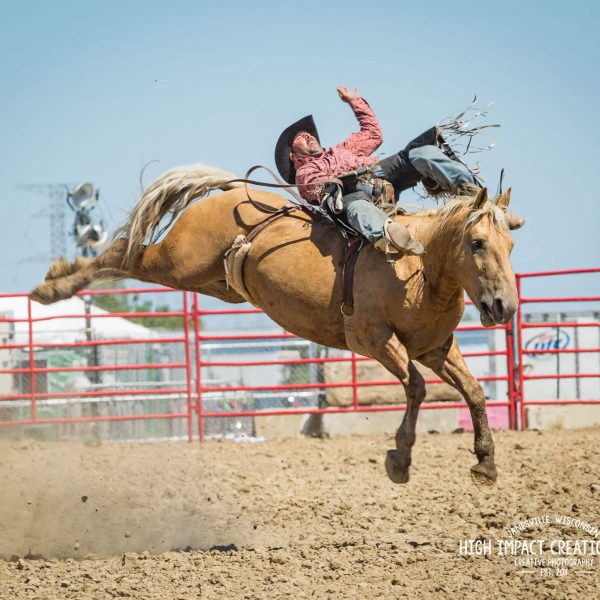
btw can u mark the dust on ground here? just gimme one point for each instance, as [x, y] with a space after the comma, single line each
[302, 518]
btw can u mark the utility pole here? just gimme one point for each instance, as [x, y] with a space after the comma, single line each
[89, 236]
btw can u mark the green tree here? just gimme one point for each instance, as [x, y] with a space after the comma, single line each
[128, 303]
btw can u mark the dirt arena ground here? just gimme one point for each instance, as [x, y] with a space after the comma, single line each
[302, 518]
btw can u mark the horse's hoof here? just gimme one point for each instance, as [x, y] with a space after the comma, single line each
[483, 474]
[395, 472]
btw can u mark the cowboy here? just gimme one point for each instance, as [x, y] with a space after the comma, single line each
[300, 159]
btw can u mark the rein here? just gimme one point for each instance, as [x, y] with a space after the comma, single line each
[299, 200]
[303, 204]
[284, 211]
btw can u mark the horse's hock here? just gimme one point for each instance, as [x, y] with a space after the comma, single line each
[379, 394]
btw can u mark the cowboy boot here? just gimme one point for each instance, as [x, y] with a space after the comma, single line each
[397, 239]
[513, 220]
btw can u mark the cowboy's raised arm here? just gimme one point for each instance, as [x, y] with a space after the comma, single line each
[369, 138]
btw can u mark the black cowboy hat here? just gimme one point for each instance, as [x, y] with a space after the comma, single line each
[285, 166]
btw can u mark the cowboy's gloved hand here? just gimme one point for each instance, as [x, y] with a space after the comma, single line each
[331, 199]
[346, 95]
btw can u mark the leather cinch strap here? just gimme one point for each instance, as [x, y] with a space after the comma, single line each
[348, 263]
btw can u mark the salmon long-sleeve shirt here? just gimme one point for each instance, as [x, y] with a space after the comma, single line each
[351, 154]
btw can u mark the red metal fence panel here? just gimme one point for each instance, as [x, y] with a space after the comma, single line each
[40, 342]
[523, 352]
[109, 363]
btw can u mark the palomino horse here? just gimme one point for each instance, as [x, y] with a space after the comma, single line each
[404, 310]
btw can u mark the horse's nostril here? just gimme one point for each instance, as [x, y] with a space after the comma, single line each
[498, 309]
[485, 308]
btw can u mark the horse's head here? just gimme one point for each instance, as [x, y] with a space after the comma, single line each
[486, 273]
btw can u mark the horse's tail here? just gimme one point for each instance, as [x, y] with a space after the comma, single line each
[171, 193]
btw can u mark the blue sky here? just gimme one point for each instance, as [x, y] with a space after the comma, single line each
[94, 90]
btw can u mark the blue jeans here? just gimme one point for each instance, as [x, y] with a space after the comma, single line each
[431, 162]
[364, 216]
[425, 161]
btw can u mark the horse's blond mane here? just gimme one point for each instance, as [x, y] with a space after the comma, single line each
[462, 207]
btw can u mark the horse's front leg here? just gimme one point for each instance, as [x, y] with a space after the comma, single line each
[447, 362]
[394, 358]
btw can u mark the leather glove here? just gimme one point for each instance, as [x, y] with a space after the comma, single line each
[331, 198]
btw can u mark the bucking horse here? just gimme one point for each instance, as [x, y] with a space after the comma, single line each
[405, 309]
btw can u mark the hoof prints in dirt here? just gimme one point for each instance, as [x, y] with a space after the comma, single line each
[303, 517]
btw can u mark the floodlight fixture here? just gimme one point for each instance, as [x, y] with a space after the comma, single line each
[82, 197]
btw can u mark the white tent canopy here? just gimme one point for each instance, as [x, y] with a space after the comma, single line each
[53, 328]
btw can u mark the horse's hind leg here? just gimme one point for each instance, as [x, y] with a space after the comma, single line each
[64, 279]
[449, 364]
[170, 262]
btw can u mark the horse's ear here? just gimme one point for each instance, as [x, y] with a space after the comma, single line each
[480, 199]
[504, 200]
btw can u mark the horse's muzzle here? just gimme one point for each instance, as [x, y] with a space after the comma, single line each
[498, 311]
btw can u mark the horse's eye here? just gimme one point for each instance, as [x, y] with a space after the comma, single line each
[477, 245]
